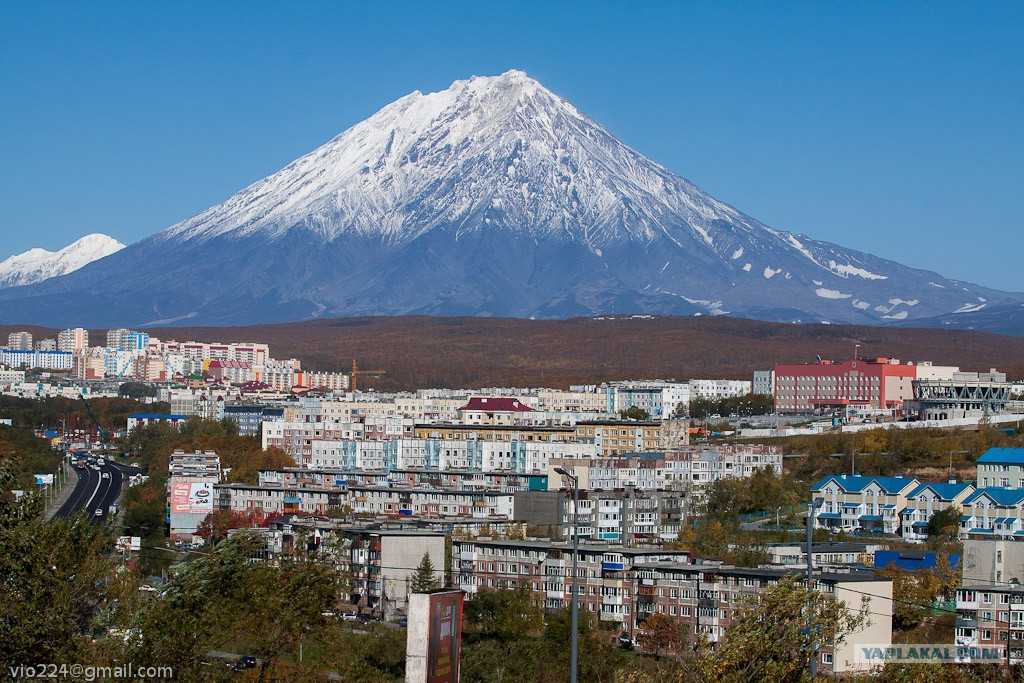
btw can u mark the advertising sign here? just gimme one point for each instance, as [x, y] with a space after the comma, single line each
[191, 496]
[444, 637]
[44, 479]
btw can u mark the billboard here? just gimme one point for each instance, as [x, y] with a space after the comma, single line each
[444, 637]
[191, 496]
[44, 479]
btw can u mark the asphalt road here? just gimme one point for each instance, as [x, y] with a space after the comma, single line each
[95, 490]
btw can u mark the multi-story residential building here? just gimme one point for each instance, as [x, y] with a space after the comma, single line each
[992, 615]
[489, 410]
[558, 401]
[543, 566]
[625, 516]
[1002, 467]
[426, 502]
[696, 468]
[195, 464]
[658, 398]
[231, 371]
[9, 377]
[450, 431]
[853, 502]
[274, 499]
[990, 559]
[706, 598]
[73, 340]
[716, 389]
[879, 383]
[250, 418]
[622, 586]
[145, 419]
[829, 554]
[47, 360]
[190, 491]
[614, 437]
[469, 479]
[993, 511]
[764, 383]
[927, 499]
[22, 341]
[255, 353]
[48, 344]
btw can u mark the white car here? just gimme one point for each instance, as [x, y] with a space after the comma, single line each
[99, 513]
[105, 475]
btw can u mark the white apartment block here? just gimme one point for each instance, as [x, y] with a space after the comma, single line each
[47, 360]
[716, 389]
[73, 340]
[21, 341]
[421, 502]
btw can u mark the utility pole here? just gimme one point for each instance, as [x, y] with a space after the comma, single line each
[574, 625]
[811, 641]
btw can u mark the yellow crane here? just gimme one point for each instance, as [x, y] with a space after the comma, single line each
[353, 382]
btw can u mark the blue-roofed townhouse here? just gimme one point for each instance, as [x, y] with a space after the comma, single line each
[993, 511]
[856, 502]
[927, 499]
[1002, 467]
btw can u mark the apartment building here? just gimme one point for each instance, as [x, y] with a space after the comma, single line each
[763, 383]
[991, 559]
[625, 516]
[427, 502]
[658, 398]
[73, 340]
[21, 341]
[927, 499]
[1002, 467]
[249, 418]
[853, 502]
[697, 467]
[993, 511]
[450, 431]
[190, 491]
[274, 499]
[622, 586]
[545, 567]
[706, 598]
[35, 358]
[491, 410]
[469, 479]
[614, 437]
[717, 389]
[990, 614]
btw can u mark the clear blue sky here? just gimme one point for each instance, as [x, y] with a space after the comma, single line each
[891, 127]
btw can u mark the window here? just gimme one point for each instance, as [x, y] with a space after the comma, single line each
[826, 658]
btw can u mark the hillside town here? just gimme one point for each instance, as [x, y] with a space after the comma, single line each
[510, 488]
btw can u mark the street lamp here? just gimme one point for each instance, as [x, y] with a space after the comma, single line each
[574, 484]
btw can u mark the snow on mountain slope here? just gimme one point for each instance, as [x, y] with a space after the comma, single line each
[492, 197]
[36, 265]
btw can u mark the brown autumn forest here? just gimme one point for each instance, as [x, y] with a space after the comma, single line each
[422, 351]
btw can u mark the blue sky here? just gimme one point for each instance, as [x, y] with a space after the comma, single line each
[896, 128]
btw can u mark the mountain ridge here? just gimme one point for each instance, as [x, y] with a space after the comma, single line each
[38, 264]
[494, 197]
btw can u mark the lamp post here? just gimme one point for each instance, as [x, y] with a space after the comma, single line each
[811, 640]
[573, 653]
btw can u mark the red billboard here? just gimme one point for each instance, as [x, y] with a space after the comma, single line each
[444, 637]
[191, 495]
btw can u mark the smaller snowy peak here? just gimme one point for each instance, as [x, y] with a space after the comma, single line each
[36, 265]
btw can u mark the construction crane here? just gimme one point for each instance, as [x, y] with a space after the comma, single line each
[353, 382]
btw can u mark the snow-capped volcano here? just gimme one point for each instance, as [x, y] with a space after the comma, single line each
[36, 265]
[492, 197]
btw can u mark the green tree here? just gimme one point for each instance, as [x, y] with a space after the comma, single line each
[424, 580]
[634, 413]
[944, 527]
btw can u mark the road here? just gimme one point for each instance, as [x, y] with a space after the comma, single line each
[94, 491]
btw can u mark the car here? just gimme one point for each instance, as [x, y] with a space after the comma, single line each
[403, 622]
[244, 662]
[625, 642]
[349, 616]
[98, 513]
[105, 475]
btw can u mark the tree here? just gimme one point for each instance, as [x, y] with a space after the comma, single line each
[424, 580]
[661, 634]
[767, 640]
[634, 413]
[944, 527]
[913, 594]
